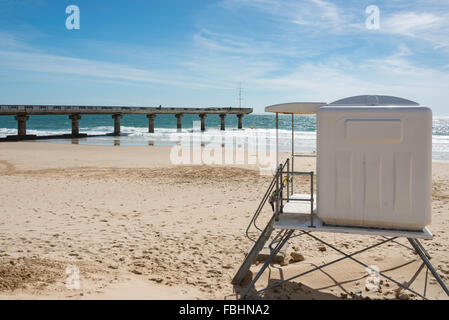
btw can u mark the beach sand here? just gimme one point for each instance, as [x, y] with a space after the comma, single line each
[138, 227]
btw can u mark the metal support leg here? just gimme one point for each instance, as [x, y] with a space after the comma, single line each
[288, 180]
[311, 200]
[345, 256]
[278, 185]
[351, 257]
[275, 251]
[423, 249]
[252, 255]
[366, 266]
[421, 252]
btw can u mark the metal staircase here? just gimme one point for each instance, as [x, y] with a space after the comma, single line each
[283, 179]
[265, 233]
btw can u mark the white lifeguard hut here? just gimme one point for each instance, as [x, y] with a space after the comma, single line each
[374, 177]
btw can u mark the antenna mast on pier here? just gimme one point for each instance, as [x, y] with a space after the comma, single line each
[240, 95]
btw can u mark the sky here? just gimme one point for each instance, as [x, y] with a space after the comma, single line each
[197, 53]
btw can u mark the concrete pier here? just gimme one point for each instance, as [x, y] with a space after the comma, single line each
[239, 117]
[151, 122]
[203, 121]
[179, 121]
[21, 124]
[22, 113]
[117, 118]
[75, 124]
[223, 117]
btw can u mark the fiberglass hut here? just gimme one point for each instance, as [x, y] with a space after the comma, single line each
[374, 160]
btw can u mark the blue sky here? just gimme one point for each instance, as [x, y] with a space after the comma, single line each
[195, 53]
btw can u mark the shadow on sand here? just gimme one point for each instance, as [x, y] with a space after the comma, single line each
[294, 290]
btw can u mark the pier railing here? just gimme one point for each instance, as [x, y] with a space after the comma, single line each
[67, 109]
[23, 112]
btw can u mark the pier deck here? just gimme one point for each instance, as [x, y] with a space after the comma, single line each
[23, 112]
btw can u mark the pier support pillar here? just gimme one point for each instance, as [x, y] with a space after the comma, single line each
[179, 121]
[239, 117]
[117, 118]
[21, 124]
[203, 121]
[75, 124]
[151, 122]
[223, 117]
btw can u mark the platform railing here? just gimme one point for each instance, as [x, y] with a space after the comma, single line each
[285, 184]
[280, 182]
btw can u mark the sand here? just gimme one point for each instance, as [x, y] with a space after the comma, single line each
[138, 227]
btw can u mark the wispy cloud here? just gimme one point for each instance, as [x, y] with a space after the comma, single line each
[428, 20]
[411, 23]
[238, 45]
[426, 26]
[17, 55]
[311, 14]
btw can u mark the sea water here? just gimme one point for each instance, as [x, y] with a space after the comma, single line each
[134, 129]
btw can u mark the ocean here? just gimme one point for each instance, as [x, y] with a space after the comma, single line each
[134, 130]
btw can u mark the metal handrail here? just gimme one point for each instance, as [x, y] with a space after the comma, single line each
[264, 200]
